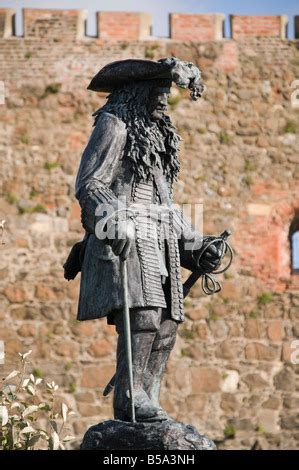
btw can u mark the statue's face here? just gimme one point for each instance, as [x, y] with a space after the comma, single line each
[158, 102]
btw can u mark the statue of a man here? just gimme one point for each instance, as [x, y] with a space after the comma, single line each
[129, 165]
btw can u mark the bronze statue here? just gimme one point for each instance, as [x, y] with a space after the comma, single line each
[123, 185]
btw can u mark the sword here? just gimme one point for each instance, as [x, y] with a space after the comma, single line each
[127, 327]
[210, 285]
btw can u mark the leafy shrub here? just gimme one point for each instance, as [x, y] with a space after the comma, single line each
[224, 138]
[290, 127]
[11, 198]
[265, 298]
[51, 89]
[230, 431]
[39, 208]
[22, 405]
[51, 165]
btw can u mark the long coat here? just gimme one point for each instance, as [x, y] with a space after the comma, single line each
[104, 175]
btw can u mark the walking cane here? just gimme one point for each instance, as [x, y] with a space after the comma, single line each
[126, 313]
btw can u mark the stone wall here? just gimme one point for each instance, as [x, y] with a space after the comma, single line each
[231, 373]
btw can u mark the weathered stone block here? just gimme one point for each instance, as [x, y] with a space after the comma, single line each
[205, 379]
[167, 435]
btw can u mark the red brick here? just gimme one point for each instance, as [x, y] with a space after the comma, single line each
[243, 26]
[192, 27]
[123, 26]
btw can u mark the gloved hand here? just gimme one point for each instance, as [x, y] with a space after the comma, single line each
[120, 236]
[209, 259]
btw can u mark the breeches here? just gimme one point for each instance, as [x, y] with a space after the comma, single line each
[151, 320]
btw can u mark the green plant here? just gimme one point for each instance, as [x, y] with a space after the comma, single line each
[24, 139]
[265, 298]
[213, 316]
[39, 373]
[11, 198]
[24, 210]
[68, 366]
[249, 165]
[28, 55]
[228, 276]
[51, 89]
[39, 208]
[51, 165]
[260, 428]
[23, 404]
[248, 180]
[124, 45]
[173, 100]
[149, 51]
[290, 127]
[33, 193]
[185, 352]
[254, 314]
[229, 431]
[187, 334]
[72, 387]
[224, 138]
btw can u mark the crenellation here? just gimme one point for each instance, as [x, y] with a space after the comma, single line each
[114, 26]
[7, 22]
[121, 26]
[190, 27]
[56, 25]
[259, 26]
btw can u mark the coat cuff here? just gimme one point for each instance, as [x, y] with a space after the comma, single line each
[91, 199]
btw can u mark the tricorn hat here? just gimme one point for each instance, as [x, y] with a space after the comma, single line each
[119, 73]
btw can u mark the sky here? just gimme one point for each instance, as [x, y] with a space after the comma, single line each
[161, 8]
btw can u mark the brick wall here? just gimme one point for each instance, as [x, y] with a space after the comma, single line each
[54, 24]
[6, 22]
[231, 368]
[189, 27]
[244, 26]
[117, 26]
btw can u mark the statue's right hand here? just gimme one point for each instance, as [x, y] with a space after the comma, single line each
[122, 238]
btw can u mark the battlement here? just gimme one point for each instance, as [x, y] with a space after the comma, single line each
[117, 26]
[70, 25]
[66, 24]
[187, 27]
[7, 18]
[250, 26]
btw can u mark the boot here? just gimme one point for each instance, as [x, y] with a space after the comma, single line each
[162, 347]
[142, 342]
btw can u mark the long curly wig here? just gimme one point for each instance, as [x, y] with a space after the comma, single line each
[147, 139]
